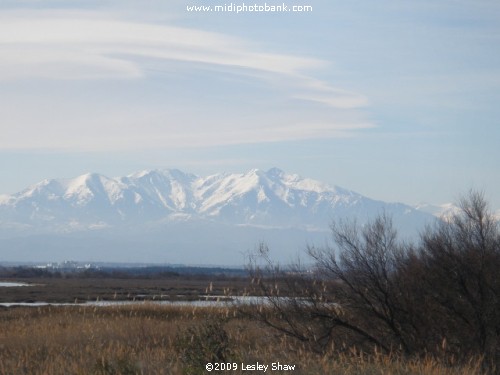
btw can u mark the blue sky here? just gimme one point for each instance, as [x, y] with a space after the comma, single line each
[398, 100]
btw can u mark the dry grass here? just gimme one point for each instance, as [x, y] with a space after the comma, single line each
[144, 340]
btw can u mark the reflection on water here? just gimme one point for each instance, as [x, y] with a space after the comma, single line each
[209, 302]
[11, 284]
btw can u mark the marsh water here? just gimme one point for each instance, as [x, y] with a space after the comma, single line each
[9, 284]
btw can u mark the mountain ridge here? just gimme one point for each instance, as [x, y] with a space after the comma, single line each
[151, 215]
[255, 197]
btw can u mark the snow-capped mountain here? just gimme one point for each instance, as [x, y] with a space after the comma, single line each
[149, 204]
[271, 198]
[444, 210]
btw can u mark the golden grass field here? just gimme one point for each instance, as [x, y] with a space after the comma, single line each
[154, 339]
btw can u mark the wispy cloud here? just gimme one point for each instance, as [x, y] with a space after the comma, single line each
[74, 49]
[95, 41]
[84, 45]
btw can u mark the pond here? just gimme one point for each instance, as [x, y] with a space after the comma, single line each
[9, 284]
[209, 302]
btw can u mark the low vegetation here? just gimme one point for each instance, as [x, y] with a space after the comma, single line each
[153, 339]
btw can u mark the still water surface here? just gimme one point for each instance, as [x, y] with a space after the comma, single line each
[8, 284]
[213, 302]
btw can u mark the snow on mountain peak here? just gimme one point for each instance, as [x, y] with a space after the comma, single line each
[165, 173]
[275, 172]
[85, 188]
[270, 198]
[444, 211]
[44, 185]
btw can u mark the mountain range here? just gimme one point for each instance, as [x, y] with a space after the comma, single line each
[176, 217]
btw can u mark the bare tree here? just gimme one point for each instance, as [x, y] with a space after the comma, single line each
[368, 262]
[350, 294]
[367, 289]
[462, 261]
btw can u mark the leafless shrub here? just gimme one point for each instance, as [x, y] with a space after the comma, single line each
[368, 290]
[461, 261]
